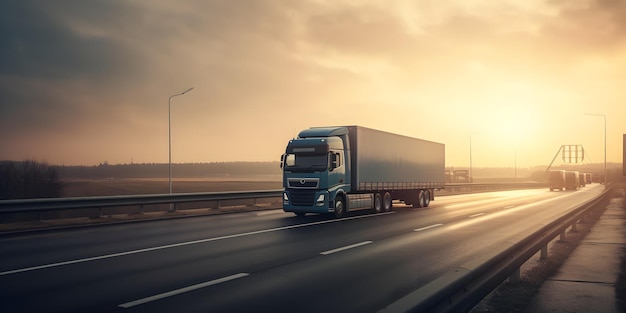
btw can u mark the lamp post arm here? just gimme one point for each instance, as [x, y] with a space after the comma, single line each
[169, 133]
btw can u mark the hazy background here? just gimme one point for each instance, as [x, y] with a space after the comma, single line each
[83, 82]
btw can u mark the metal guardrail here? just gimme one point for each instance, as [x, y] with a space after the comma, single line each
[462, 288]
[474, 187]
[56, 204]
[52, 204]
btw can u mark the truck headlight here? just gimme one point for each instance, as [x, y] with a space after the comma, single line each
[320, 200]
[285, 198]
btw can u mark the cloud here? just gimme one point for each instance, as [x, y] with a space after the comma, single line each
[366, 30]
[105, 69]
[588, 25]
[49, 65]
[36, 44]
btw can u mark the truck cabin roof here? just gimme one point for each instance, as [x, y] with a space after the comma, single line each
[323, 132]
[314, 145]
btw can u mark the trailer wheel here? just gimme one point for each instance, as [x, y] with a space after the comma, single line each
[419, 199]
[420, 203]
[387, 202]
[426, 198]
[378, 203]
[340, 207]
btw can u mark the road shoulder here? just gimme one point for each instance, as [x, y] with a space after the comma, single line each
[583, 273]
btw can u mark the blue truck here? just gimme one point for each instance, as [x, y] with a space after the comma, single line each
[335, 170]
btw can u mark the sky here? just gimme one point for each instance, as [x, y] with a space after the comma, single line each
[87, 82]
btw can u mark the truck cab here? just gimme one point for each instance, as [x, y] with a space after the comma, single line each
[314, 171]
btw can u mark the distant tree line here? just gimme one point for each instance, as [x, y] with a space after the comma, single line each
[28, 180]
[159, 170]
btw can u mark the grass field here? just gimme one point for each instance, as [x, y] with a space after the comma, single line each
[114, 187]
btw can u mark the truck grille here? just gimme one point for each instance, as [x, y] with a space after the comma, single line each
[308, 183]
[302, 197]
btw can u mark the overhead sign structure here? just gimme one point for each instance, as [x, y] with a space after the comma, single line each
[573, 153]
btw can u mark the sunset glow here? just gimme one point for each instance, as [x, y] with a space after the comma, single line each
[83, 83]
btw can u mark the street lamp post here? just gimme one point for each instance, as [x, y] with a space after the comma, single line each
[604, 116]
[169, 126]
[471, 178]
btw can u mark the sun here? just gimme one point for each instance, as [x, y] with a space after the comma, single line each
[513, 115]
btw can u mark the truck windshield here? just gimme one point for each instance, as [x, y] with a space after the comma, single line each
[306, 162]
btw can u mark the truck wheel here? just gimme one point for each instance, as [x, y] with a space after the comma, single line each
[420, 203]
[340, 207]
[387, 202]
[378, 203]
[426, 198]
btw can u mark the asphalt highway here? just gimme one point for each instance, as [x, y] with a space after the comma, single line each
[268, 261]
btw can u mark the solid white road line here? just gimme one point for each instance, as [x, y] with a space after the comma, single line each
[346, 247]
[428, 227]
[181, 290]
[180, 244]
[477, 214]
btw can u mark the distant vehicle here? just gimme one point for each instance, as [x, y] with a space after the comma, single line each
[581, 180]
[340, 169]
[556, 180]
[588, 178]
[462, 176]
[449, 176]
[571, 180]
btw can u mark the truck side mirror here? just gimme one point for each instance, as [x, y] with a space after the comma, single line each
[282, 160]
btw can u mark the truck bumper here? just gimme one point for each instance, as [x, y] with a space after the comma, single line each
[306, 202]
[296, 209]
